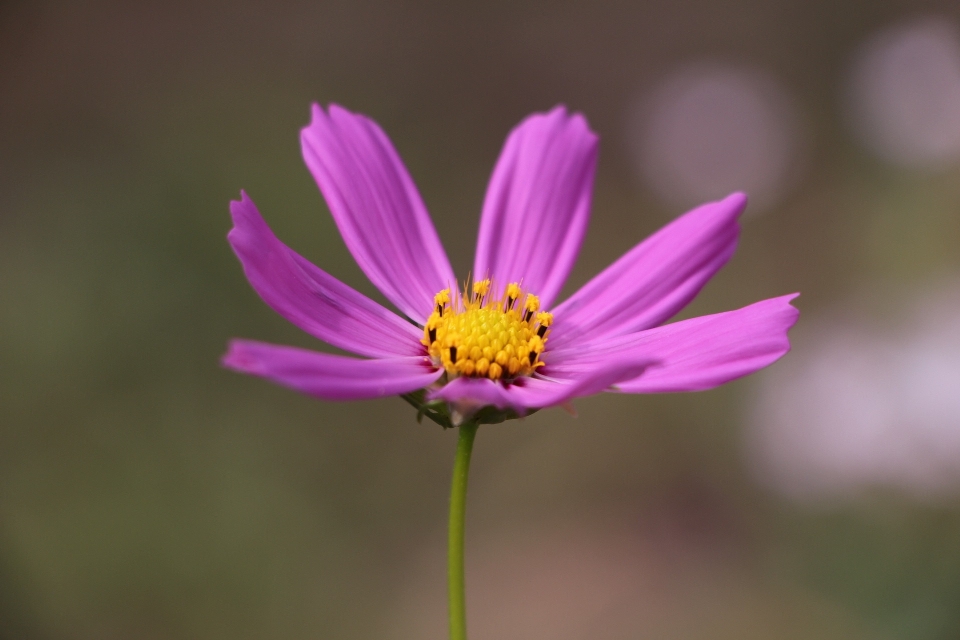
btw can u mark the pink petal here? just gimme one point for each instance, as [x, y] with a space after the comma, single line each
[475, 392]
[377, 208]
[696, 354]
[538, 203]
[329, 376]
[470, 394]
[655, 279]
[316, 302]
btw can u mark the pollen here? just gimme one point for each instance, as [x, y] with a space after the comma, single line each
[473, 335]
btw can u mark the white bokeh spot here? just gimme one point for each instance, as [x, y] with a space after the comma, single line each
[903, 93]
[709, 129]
[858, 407]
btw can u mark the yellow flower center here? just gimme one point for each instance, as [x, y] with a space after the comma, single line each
[472, 335]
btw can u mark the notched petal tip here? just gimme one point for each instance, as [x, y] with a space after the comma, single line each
[317, 113]
[577, 122]
[237, 206]
[336, 115]
[238, 358]
[241, 210]
[564, 116]
[792, 315]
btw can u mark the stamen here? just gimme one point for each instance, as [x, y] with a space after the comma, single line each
[536, 347]
[533, 303]
[478, 337]
[545, 320]
[431, 327]
[513, 292]
[441, 299]
[480, 289]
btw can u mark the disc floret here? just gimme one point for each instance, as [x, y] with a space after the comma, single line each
[474, 335]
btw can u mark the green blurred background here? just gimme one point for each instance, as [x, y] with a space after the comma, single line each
[146, 493]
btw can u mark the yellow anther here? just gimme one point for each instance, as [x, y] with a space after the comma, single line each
[477, 337]
[532, 304]
[430, 329]
[536, 344]
[481, 287]
[441, 300]
[513, 294]
[545, 320]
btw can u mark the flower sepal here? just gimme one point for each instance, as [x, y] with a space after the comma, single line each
[439, 411]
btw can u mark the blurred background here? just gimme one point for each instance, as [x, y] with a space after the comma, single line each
[146, 493]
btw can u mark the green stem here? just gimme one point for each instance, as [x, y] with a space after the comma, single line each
[458, 509]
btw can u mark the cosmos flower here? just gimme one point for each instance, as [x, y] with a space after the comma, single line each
[499, 346]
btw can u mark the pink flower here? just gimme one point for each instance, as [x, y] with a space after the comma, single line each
[502, 347]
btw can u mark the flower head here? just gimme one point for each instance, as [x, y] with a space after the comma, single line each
[499, 346]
